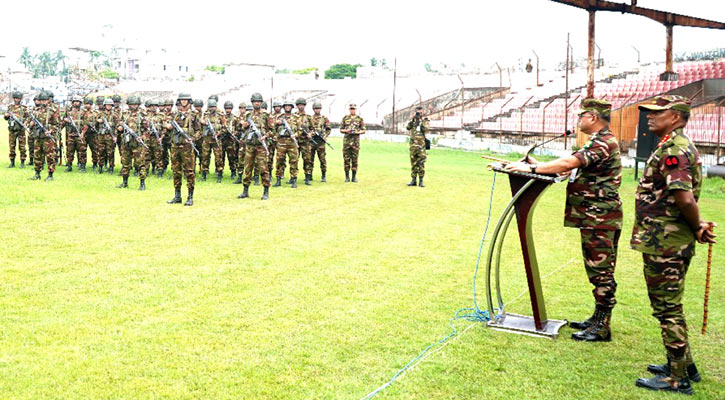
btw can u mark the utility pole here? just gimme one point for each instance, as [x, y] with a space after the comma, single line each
[395, 78]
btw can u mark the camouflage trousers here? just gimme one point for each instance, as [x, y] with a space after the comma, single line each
[665, 277]
[136, 154]
[286, 148]
[74, 144]
[198, 158]
[255, 158]
[272, 145]
[165, 151]
[350, 151]
[208, 145]
[241, 152]
[306, 154]
[31, 147]
[417, 161]
[182, 161]
[599, 248]
[91, 142]
[154, 154]
[229, 152]
[19, 137]
[106, 153]
[44, 147]
[319, 149]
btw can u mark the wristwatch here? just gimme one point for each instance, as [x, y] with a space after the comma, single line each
[533, 168]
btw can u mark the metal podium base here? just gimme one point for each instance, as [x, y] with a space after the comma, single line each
[524, 325]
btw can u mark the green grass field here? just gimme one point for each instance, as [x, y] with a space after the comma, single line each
[322, 292]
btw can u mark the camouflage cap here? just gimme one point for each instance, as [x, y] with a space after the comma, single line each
[353, 105]
[669, 102]
[598, 106]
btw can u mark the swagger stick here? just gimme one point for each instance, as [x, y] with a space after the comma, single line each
[707, 289]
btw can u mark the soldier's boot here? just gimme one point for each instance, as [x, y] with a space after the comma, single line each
[420, 182]
[664, 369]
[123, 184]
[12, 163]
[239, 179]
[583, 324]
[234, 174]
[94, 167]
[413, 182]
[135, 171]
[311, 178]
[354, 176]
[279, 182]
[203, 176]
[190, 198]
[69, 167]
[307, 179]
[324, 177]
[245, 193]
[82, 168]
[265, 196]
[177, 197]
[663, 382]
[22, 164]
[256, 180]
[218, 177]
[100, 169]
[599, 330]
[110, 170]
[289, 182]
[49, 177]
[347, 176]
[142, 186]
[161, 172]
[36, 176]
[294, 183]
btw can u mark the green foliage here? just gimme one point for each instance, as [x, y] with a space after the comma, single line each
[341, 71]
[108, 74]
[219, 69]
[191, 78]
[304, 71]
[282, 71]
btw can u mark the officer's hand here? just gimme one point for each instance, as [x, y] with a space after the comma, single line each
[530, 160]
[706, 234]
[518, 167]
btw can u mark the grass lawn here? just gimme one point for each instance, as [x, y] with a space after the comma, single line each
[322, 292]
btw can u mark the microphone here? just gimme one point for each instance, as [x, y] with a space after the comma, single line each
[528, 153]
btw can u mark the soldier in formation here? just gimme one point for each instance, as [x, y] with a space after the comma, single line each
[182, 125]
[106, 138]
[44, 125]
[258, 128]
[352, 126]
[132, 128]
[17, 117]
[229, 140]
[75, 130]
[321, 129]
[286, 126]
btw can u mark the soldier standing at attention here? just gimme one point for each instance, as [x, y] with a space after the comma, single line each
[30, 136]
[94, 145]
[134, 139]
[182, 152]
[667, 224]
[287, 147]
[167, 112]
[44, 136]
[241, 146]
[229, 145]
[417, 128]
[273, 142]
[106, 120]
[16, 131]
[593, 206]
[258, 126]
[321, 125]
[118, 114]
[216, 120]
[75, 135]
[155, 148]
[88, 119]
[305, 138]
[352, 127]
[198, 112]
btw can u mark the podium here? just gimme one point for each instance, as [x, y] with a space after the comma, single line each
[526, 189]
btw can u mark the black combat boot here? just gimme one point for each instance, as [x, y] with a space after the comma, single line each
[662, 382]
[664, 369]
[245, 193]
[12, 163]
[324, 176]
[256, 180]
[203, 176]
[110, 170]
[583, 324]
[218, 177]
[135, 171]
[294, 182]
[307, 180]
[279, 182]
[311, 178]
[347, 176]
[177, 197]
[161, 172]
[234, 174]
[190, 198]
[598, 331]
[82, 168]
[69, 167]
[420, 182]
[265, 196]
[289, 182]
[354, 176]
[100, 169]
[239, 180]
[123, 184]
[49, 177]
[413, 182]
[36, 176]
[142, 186]
[22, 164]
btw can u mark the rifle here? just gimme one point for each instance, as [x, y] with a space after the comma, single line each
[319, 135]
[75, 127]
[231, 133]
[181, 132]
[253, 130]
[210, 128]
[107, 127]
[130, 131]
[17, 121]
[291, 133]
[155, 132]
[43, 129]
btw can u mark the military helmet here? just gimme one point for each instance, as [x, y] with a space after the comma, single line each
[17, 95]
[169, 101]
[276, 104]
[50, 94]
[43, 95]
[211, 103]
[257, 97]
[184, 96]
[153, 103]
[198, 103]
[228, 104]
[76, 98]
[133, 100]
[88, 100]
[213, 97]
[316, 105]
[301, 100]
[108, 102]
[99, 100]
[287, 102]
[116, 98]
[243, 105]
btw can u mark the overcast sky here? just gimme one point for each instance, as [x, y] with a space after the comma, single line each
[296, 34]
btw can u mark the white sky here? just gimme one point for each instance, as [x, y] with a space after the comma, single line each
[297, 34]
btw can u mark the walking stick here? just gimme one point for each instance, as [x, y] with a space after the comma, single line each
[707, 289]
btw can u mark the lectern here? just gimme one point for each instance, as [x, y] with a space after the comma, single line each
[526, 189]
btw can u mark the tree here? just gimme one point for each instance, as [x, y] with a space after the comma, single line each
[341, 71]
[216, 68]
[304, 71]
[373, 62]
[26, 59]
[428, 67]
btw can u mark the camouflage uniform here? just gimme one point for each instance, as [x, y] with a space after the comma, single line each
[16, 132]
[106, 139]
[286, 147]
[198, 137]
[255, 155]
[351, 142]
[209, 144]
[272, 142]
[663, 236]
[182, 153]
[242, 146]
[45, 143]
[156, 146]
[417, 128]
[229, 145]
[321, 125]
[166, 139]
[75, 142]
[304, 121]
[131, 149]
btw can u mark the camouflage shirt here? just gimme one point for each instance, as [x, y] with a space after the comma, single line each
[292, 121]
[261, 121]
[21, 112]
[75, 115]
[417, 128]
[305, 125]
[592, 197]
[354, 122]
[659, 227]
[136, 121]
